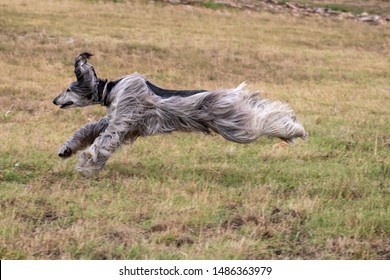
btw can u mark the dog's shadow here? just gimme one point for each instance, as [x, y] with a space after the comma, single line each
[225, 176]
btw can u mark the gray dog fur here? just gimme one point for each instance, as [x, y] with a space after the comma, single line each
[134, 110]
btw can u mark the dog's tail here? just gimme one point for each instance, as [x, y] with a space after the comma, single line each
[240, 116]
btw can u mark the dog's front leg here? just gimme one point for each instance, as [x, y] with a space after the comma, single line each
[95, 157]
[82, 138]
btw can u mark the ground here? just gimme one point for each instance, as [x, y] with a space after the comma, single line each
[192, 196]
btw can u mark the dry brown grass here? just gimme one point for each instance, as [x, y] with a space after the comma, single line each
[190, 196]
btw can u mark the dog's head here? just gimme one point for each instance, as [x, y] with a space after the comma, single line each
[83, 91]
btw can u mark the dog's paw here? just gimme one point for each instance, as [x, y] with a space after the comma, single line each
[65, 152]
[86, 164]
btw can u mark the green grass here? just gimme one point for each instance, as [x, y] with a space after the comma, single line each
[191, 196]
[212, 5]
[343, 8]
[380, 7]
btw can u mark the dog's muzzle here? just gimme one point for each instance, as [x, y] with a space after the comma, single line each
[55, 101]
[62, 106]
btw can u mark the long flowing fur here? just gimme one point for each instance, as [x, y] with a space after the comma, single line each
[134, 110]
[235, 114]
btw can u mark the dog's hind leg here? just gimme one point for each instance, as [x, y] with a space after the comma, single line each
[95, 157]
[82, 138]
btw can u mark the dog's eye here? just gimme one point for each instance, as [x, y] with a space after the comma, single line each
[68, 90]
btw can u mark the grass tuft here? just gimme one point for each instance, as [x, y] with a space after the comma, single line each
[210, 4]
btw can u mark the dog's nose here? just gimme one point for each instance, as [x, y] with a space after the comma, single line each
[55, 101]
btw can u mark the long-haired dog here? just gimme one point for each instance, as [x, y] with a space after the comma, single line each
[136, 107]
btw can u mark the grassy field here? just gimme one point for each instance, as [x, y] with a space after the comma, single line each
[191, 196]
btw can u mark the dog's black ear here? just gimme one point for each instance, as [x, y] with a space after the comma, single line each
[81, 66]
[85, 73]
[85, 56]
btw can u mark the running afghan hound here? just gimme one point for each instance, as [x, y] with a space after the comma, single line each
[136, 107]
